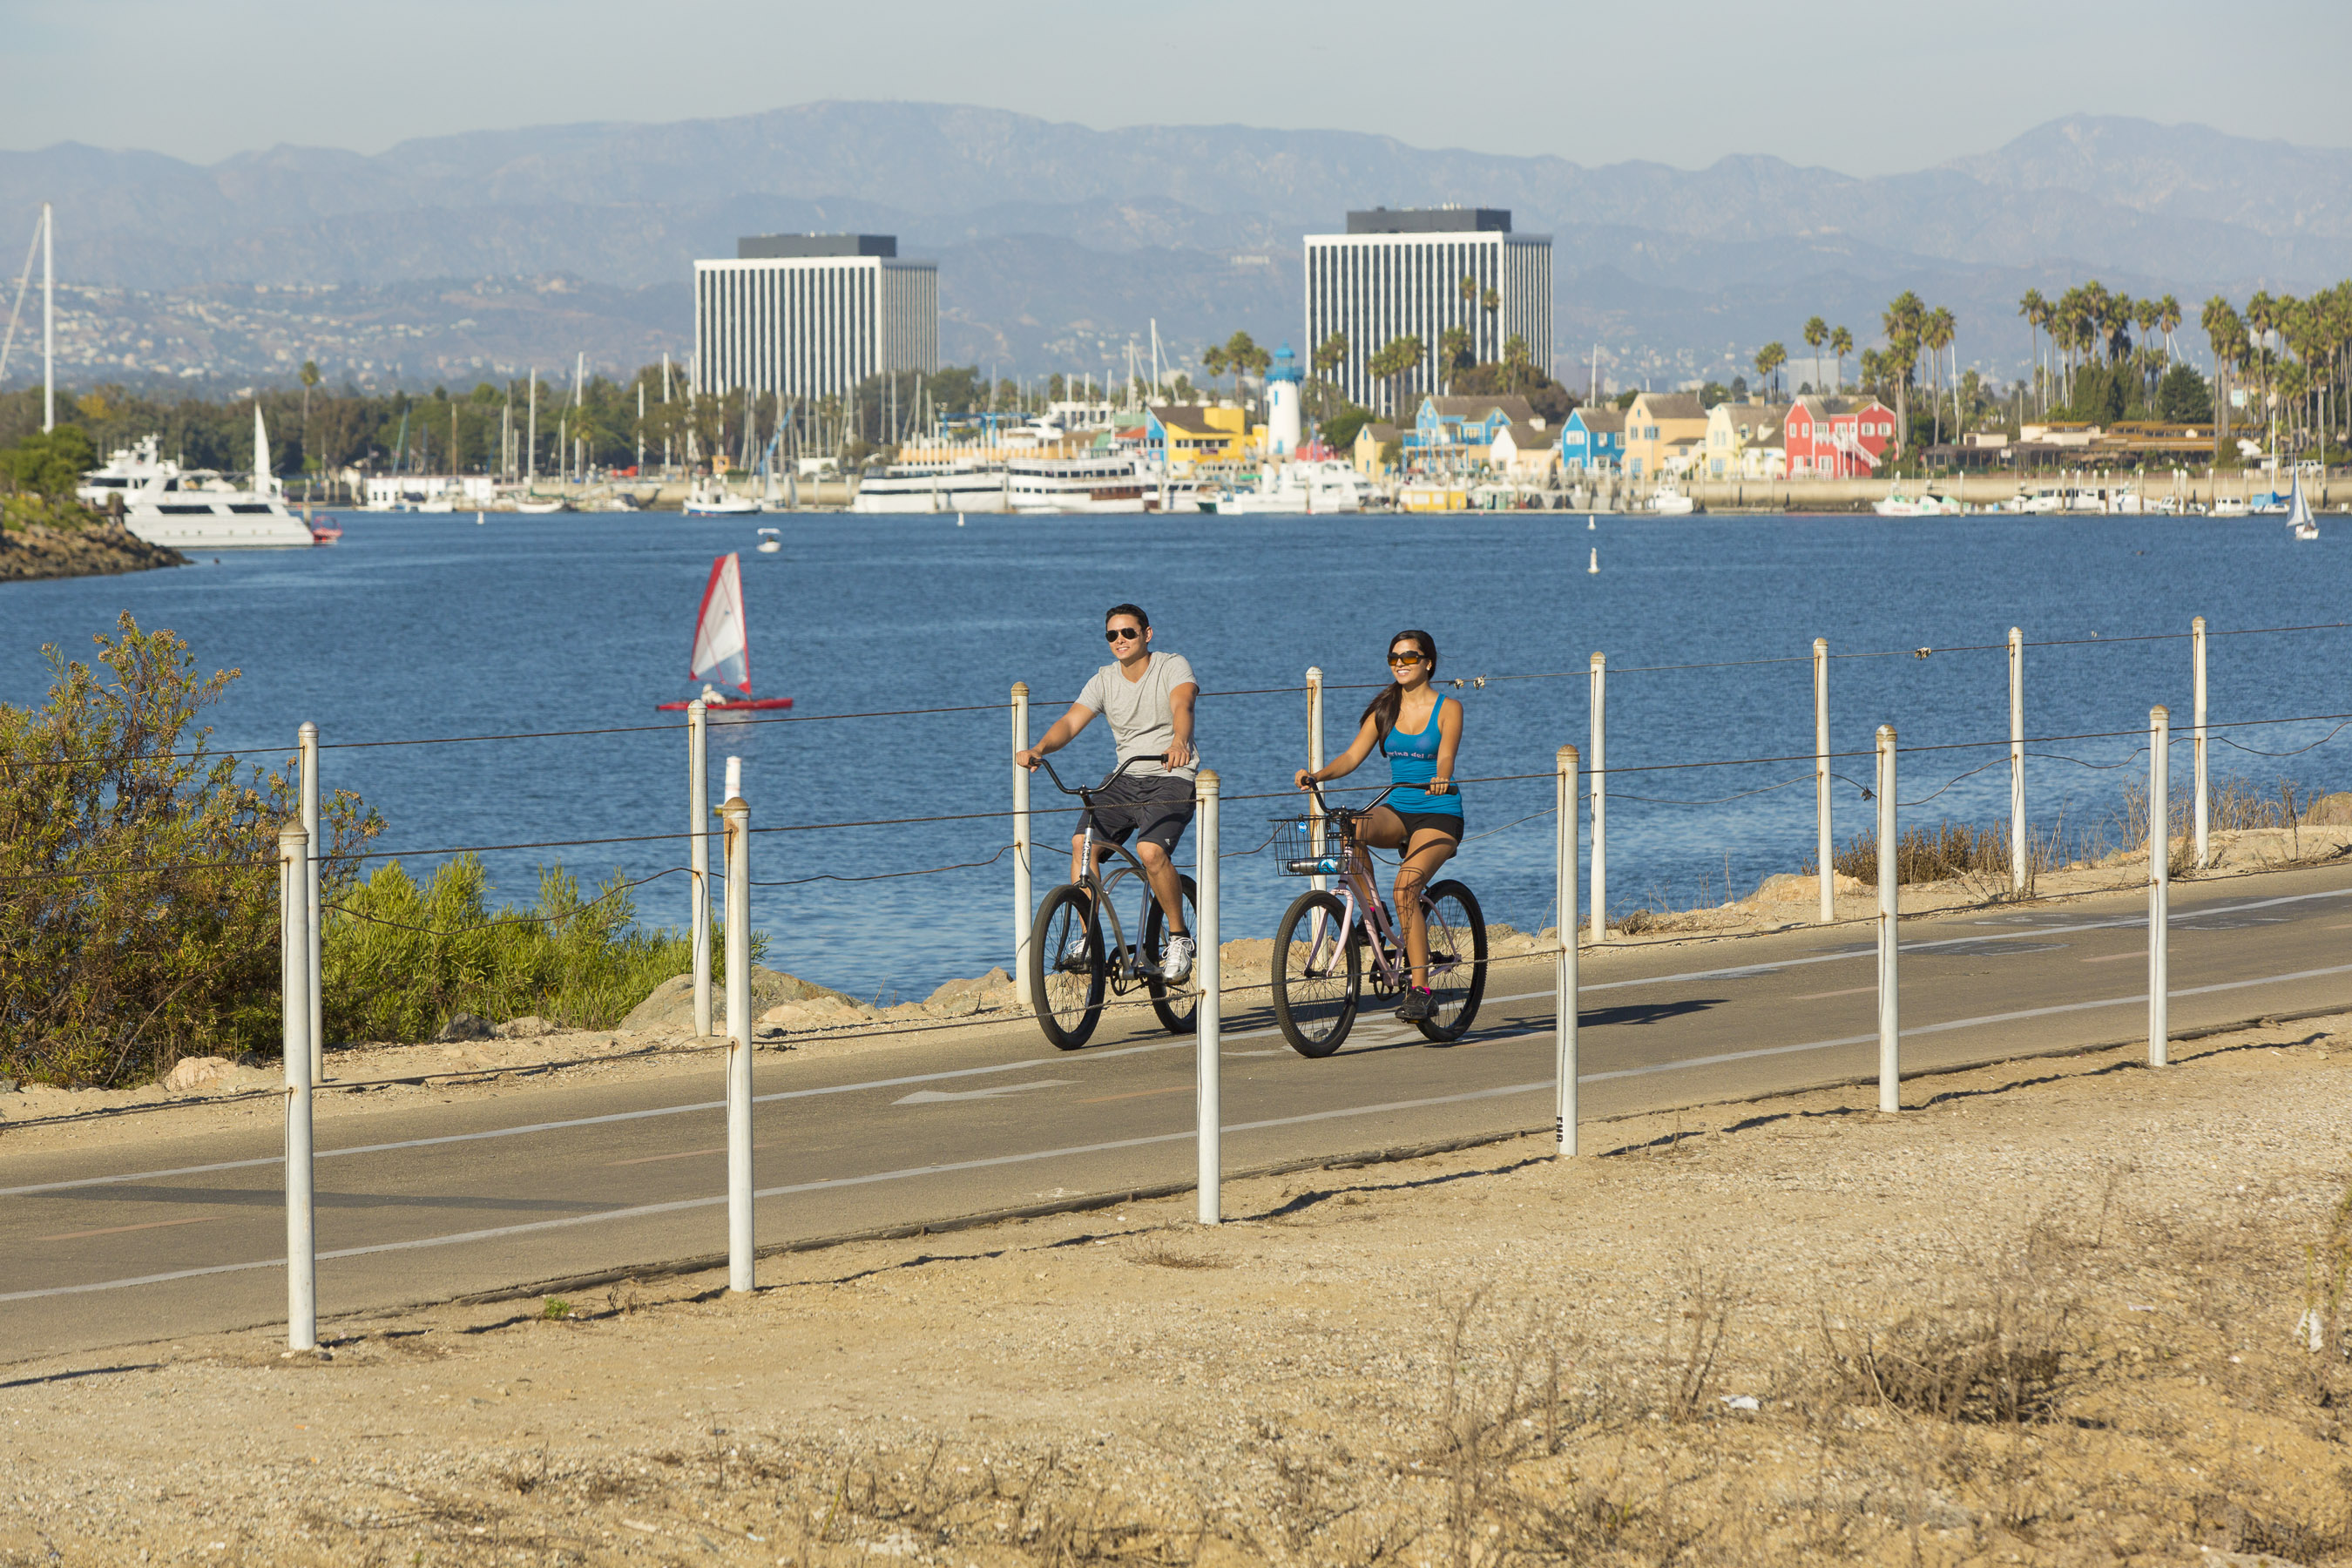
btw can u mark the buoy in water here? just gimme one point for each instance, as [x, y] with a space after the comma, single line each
[958, 519]
[1590, 523]
[477, 519]
[1595, 565]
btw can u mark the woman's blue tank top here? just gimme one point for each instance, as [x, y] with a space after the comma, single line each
[1413, 762]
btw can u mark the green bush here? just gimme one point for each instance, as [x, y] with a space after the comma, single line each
[138, 884]
[400, 959]
[49, 463]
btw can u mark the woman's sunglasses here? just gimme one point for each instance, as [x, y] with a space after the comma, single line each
[1120, 634]
[1406, 658]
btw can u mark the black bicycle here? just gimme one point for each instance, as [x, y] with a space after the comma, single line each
[1322, 944]
[1071, 965]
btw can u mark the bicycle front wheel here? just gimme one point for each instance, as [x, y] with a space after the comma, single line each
[1066, 967]
[1458, 959]
[1178, 1002]
[1318, 972]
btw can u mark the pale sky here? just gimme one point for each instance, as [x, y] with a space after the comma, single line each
[1864, 88]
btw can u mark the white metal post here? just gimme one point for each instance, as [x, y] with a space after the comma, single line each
[1209, 1108]
[1024, 914]
[1601, 798]
[301, 1232]
[2017, 848]
[697, 856]
[1321, 884]
[2197, 662]
[1564, 979]
[1822, 852]
[2159, 884]
[735, 818]
[312, 957]
[1890, 1033]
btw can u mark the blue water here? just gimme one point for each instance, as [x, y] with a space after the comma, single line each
[430, 626]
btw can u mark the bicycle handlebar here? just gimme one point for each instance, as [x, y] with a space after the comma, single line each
[1315, 787]
[1082, 791]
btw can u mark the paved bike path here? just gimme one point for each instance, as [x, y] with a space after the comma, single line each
[162, 1234]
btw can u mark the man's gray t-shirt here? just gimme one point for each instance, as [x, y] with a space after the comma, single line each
[1142, 719]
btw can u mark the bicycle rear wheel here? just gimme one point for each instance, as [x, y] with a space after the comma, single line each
[1316, 967]
[1066, 967]
[1178, 1002]
[1458, 959]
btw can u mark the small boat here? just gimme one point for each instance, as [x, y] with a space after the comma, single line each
[1668, 502]
[438, 503]
[721, 647]
[541, 508]
[2298, 515]
[1897, 504]
[708, 498]
[325, 532]
[769, 543]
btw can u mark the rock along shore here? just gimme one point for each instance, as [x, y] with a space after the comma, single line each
[97, 549]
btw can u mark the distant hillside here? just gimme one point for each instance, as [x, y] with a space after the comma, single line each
[1058, 243]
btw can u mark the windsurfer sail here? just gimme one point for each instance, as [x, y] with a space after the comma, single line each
[721, 648]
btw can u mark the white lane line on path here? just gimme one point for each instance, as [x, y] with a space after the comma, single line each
[1739, 972]
[681, 1204]
[993, 1092]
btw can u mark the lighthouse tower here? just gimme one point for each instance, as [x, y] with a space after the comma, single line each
[1282, 405]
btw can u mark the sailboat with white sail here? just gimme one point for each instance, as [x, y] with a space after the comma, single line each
[722, 646]
[2298, 514]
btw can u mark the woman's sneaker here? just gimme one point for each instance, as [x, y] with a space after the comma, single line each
[1176, 963]
[1419, 1005]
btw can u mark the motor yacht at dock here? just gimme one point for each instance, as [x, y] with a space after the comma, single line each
[195, 508]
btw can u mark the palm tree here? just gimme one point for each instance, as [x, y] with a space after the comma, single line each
[1454, 352]
[1394, 363]
[2168, 322]
[1840, 344]
[1328, 357]
[1902, 322]
[1517, 360]
[1935, 332]
[2036, 311]
[1492, 303]
[1213, 360]
[1768, 361]
[1817, 332]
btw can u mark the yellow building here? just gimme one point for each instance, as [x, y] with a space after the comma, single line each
[1655, 422]
[1190, 433]
[1371, 442]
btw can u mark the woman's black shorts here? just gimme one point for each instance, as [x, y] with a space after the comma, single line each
[1443, 822]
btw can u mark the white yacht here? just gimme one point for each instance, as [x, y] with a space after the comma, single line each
[1298, 489]
[1103, 484]
[195, 508]
[933, 487]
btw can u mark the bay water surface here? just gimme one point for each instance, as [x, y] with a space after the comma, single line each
[418, 628]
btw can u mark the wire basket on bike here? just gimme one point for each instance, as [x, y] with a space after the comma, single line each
[1306, 846]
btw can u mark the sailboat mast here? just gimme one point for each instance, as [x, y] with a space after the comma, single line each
[530, 436]
[48, 317]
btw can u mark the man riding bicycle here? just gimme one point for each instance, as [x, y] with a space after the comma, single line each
[1148, 697]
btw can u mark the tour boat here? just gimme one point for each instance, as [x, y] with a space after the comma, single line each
[940, 487]
[721, 650]
[195, 508]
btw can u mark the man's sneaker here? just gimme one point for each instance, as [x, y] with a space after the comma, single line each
[1419, 1005]
[1078, 954]
[1176, 963]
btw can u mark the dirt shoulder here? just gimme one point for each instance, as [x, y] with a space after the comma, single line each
[2048, 1314]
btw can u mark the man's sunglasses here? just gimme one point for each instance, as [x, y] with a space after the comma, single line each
[1397, 659]
[1118, 634]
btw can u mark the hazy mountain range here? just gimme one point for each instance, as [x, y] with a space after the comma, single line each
[454, 255]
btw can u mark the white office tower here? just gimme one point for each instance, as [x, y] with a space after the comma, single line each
[1282, 405]
[1414, 272]
[812, 314]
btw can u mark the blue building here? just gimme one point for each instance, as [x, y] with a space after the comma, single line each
[1593, 439]
[1472, 422]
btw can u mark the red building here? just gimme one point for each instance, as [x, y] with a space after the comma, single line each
[1837, 438]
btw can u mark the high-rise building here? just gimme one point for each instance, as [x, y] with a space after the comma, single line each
[812, 314]
[1414, 272]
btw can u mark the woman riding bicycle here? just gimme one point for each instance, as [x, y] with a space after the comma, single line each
[1419, 732]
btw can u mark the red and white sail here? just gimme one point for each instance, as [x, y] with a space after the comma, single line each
[722, 652]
